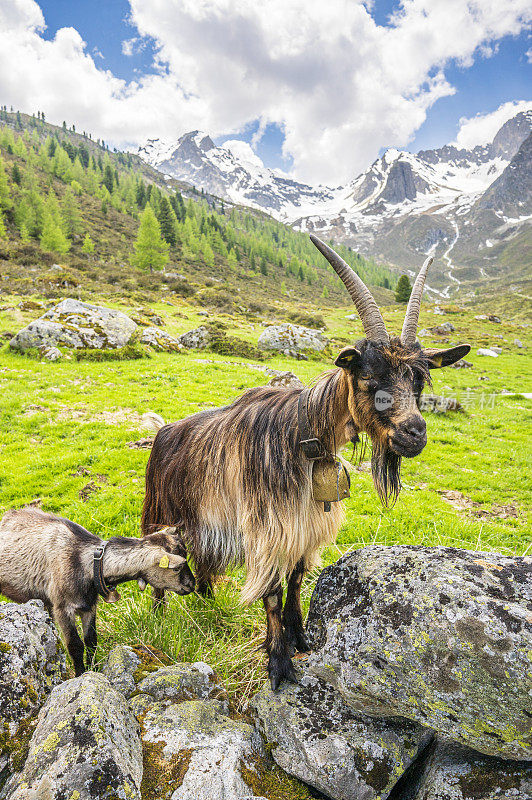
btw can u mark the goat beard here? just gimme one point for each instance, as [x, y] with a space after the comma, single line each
[386, 471]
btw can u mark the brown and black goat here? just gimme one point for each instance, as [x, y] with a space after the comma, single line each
[237, 480]
[48, 558]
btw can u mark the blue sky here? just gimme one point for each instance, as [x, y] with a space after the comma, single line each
[493, 71]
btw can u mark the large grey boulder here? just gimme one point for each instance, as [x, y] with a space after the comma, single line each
[193, 751]
[437, 635]
[315, 736]
[31, 664]
[287, 337]
[86, 746]
[72, 323]
[160, 340]
[453, 772]
[196, 339]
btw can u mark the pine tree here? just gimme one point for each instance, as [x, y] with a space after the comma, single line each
[167, 221]
[263, 267]
[53, 239]
[140, 194]
[3, 232]
[5, 202]
[403, 290]
[301, 274]
[70, 213]
[24, 234]
[108, 179]
[88, 245]
[16, 174]
[151, 251]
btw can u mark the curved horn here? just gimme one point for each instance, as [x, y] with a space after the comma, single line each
[371, 317]
[409, 332]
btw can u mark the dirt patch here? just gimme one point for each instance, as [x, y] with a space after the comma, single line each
[141, 444]
[463, 503]
[30, 411]
[91, 487]
[119, 416]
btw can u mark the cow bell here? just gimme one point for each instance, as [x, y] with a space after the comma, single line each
[330, 481]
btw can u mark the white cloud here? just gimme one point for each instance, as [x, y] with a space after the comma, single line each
[132, 46]
[340, 86]
[529, 55]
[481, 128]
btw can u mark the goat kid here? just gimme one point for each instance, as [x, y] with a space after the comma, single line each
[48, 558]
[238, 480]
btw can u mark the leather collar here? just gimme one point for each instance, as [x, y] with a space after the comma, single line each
[99, 581]
[311, 446]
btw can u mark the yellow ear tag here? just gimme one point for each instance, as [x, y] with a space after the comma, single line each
[164, 562]
[437, 360]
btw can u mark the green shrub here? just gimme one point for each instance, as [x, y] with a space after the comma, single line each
[217, 298]
[181, 288]
[233, 346]
[308, 320]
[127, 353]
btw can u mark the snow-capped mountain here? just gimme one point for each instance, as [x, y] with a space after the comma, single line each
[402, 207]
[231, 171]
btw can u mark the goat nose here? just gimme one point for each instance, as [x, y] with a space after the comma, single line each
[416, 426]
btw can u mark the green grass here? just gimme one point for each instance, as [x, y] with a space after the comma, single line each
[67, 425]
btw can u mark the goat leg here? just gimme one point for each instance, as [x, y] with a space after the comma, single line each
[204, 582]
[280, 665]
[292, 614]
[90, 637]
[158, 599]
[66, 622]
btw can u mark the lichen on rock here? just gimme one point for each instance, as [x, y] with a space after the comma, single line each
[86, 742]
[435, 635]
[74, 324]
[194, 750]
[32, 662]
[288, 337]
[453, 772]
[314, 735]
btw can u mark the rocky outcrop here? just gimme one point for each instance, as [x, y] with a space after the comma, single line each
[434, 635]
[160, 340]
[31, 664]
[314, 735]
[193, 750]
[285, 379]
[86, 746]
[198, 338]
[290, 339]
[74, 324]
[452, 772]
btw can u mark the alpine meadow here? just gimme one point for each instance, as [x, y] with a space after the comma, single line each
[266, 400]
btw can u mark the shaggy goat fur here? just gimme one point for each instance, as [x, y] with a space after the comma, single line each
[237, 483]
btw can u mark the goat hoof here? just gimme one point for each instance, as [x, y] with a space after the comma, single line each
[281, 670]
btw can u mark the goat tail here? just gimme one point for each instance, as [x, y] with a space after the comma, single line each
[152, 422]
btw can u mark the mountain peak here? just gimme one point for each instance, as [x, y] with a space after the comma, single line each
[200, 139]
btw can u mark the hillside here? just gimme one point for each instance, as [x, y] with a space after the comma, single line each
[58, 187]
[402, 207]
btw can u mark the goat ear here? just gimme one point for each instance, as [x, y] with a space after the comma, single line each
[175, 560]
[443, 358]
[347, 357]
